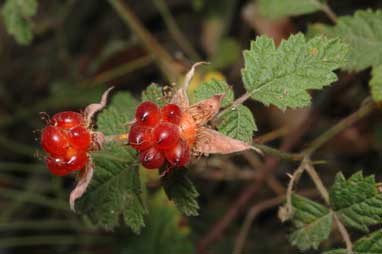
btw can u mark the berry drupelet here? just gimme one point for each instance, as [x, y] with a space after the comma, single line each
[161, 134]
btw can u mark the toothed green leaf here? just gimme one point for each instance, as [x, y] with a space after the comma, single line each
[281, 76]
[313, 223]
[210, 88]
[238, 123]
[357, 201]
[153, 93]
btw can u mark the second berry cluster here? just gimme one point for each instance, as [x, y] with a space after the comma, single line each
[156, 134]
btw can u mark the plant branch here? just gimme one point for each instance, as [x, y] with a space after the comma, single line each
[174, 30]
[163, 59]
[278, 153]
[344, 233]
[367, 107]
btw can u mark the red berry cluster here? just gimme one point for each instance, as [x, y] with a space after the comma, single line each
[156, 134]
[66, 140]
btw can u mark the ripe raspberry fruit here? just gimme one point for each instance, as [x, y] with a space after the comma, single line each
[140, 137]
[75, 159]
[166, 135]
[179, 155]
[171, 113]
[67, 119]
[54, 140]
[148, 114]
[79, 137]
[57, 166]
[151, 158]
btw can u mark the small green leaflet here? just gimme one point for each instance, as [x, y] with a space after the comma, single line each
[281, 76]
[164, 234]
[357, 201]
[154, 93]
[17, 19]
[370, 244]
[278, 9]
[363, 32]
[376, 83]
[313, 223]
[238, 123]
[210, 88]
[115, 189]
[182, 191]
[115, 118]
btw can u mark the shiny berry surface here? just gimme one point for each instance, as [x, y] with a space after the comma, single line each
[179, 155]
[75, 159]
[148, 114]
[140, 137]
[67, 119]
[57, 166]
[54, 140]
[152, 158]
[79, 137]
[171, 113]
[166, 135]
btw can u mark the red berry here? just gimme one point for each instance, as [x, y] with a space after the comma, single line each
[75, 159]
[79, 137]
[171, 113]
[140, 137]
[67, 119]
[152, 158]
[179, 155]
[148, 114]
[54, 140]
[166, 135]
[57, 166]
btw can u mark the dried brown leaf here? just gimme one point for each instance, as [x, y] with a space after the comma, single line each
[82, 184]
[92, 109]
[205, 110]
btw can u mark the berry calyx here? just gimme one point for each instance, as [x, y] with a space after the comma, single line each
[140, 137]
[148, 114]
[151, 158]
[179, 155]
[54, 140]
[171, 113]
[79, 137]
[67, 119]
[166, 135]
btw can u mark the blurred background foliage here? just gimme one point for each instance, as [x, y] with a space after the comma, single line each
[64, 53]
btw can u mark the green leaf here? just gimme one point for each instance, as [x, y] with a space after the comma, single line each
[153, 93]
[182, 191]
[165, 232]
[238, 123]
[113, 119]
[313, 223]
[376, 83]
[278, 9]
[363, 32]
[281, 76]
[115, 189]
[17, 14]
[212, 87]
[370, 244]
[357, 201]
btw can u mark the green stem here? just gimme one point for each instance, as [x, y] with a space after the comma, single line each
[163, 59]
[175, 32]
[363, 111]
[280, 154]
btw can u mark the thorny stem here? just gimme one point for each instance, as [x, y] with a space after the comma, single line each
[174, 30]
[163, 59]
